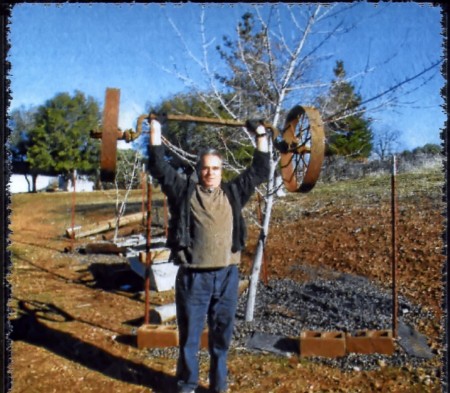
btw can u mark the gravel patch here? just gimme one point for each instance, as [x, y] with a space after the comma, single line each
[345, 303]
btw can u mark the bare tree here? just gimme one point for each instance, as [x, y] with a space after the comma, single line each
[385, 142]
[269, 65]
[126, 177]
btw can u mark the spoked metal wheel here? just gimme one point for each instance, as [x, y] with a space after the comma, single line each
[303, 149]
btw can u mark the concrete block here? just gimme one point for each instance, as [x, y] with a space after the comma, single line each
[161, 336]
[370, 341]
[326, 344]
[157, 336]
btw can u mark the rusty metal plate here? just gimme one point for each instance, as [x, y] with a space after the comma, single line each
[304, 136]
[109, 135]
[273, 343]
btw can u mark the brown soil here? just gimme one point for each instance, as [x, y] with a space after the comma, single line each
[75, 332]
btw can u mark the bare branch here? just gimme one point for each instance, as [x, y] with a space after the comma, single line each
[182, 40]
[387, 91]
[209, 74]
[270, 55]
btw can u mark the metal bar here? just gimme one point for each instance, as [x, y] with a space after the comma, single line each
[130, 135]
[166, 218]
[143, 183]
[394, 249]
[72, 236]
[207, 120]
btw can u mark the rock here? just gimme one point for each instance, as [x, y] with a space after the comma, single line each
[348, 303]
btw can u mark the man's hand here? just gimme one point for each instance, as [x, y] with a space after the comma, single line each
[257, 127]
[253, 124]
[260, 131]
[155, 132]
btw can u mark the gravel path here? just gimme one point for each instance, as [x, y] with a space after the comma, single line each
[345, 303]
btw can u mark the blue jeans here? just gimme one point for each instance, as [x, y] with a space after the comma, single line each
[212, 295]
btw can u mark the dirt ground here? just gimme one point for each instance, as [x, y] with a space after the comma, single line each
[73, 328]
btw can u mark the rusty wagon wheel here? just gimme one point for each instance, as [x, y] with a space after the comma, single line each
[303, 149]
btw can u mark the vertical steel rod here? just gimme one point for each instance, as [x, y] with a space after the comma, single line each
[148, 258]
[143, 183]
[394, 248]
[166, 218]
[72, 236]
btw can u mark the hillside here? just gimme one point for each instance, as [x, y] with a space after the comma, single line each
[74, 327]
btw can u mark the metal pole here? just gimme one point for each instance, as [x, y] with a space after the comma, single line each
[143, 183]
[206, 120]
[394, 249]
[166, 218]
[72, 237]
[148, 258]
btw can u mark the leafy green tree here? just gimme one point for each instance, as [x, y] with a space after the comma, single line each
[20, 123]
[348, 130]
[59, 140]
[429, 148]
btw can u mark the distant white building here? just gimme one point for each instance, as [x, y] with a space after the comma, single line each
[18, 183]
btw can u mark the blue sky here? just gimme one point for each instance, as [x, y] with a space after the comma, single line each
[67, 47]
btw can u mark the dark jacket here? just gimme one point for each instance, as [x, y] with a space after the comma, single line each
[179, 190]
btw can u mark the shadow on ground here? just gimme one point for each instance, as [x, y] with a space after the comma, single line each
[115, 277]
[29, 327]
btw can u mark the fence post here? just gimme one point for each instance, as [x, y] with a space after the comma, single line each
[394, 248]
[72, 237]
[148, 260]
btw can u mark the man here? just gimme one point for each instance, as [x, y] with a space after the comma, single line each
[206, 234]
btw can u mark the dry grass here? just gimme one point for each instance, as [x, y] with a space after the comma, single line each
[71, 332]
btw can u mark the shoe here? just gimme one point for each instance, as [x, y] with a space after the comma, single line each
[182, 388]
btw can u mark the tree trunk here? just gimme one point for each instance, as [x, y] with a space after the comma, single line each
[257, 260]
[34, 181]
[28, 182]
[67, 177]
[73, 179]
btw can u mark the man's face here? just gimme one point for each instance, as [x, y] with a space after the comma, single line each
[211, 171]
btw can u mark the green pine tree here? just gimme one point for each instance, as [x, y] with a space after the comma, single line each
[348, 130]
